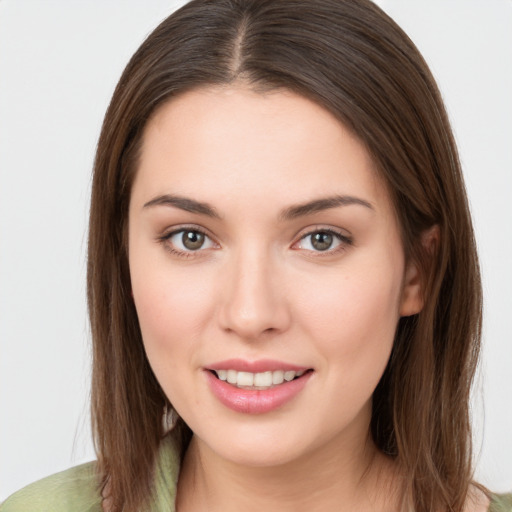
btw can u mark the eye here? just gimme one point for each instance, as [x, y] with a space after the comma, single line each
[188, 240]
[324, 240]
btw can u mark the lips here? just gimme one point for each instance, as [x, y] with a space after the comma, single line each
[256, 387]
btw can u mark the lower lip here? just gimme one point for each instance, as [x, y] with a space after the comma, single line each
[255, 401]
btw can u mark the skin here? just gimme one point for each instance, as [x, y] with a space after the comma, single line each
[258, 289]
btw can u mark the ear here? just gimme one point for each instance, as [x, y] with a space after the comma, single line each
[413, 287]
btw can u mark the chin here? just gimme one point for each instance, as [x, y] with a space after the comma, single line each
[254, 447]
[269, 444]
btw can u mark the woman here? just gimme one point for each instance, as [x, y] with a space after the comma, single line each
[281, 270]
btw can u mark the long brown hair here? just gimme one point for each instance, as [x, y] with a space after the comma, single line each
[351, 58]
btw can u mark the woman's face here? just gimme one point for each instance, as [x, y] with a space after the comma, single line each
[263, 247]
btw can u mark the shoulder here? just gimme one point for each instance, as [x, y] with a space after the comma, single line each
[77, 489]
[501, 503]
[73, 490]
[480, 499]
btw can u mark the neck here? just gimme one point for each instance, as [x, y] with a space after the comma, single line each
[339, 476]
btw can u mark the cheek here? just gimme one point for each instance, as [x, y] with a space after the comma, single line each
[170, 307]
[172, 304]
[353, 327]
[171, 310]
[354, 319]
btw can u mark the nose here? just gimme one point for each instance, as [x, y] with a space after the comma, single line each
[254, 301]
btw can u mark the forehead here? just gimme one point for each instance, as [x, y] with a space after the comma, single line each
[231, 142]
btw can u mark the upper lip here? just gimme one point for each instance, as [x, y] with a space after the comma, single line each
[259, 366]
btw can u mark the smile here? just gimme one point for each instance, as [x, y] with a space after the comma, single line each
[257, 381]
[256, 387]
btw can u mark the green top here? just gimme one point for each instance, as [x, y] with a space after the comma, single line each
[76, 489]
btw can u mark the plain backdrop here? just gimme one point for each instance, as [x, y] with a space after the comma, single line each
[59, 62]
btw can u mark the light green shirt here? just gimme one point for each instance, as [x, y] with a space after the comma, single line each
[76, 489]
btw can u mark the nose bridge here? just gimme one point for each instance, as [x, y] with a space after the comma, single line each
[253, 302]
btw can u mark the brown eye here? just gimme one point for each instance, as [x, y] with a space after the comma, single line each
[321, 241]
[188, 240]
[192, 240]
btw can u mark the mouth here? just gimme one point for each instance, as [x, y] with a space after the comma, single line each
[260, 381]
[256, 387]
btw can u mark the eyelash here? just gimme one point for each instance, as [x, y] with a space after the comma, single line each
[343, 240]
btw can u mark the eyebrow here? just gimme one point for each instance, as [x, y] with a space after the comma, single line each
[318, 205]
[184, 203]
[290, 213]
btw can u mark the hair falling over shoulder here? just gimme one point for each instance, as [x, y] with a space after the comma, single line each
[351, 58]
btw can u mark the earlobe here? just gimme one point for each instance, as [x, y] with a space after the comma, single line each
[412, 296]
[413, 287]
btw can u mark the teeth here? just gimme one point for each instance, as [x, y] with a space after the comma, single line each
[232, 376]
[288, 376]
[245, 379]
[277, 377]
[263, 380]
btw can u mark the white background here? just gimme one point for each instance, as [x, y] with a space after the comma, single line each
[59, 62]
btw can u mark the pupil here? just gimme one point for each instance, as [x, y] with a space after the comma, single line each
[192, 240]
[321, 241]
